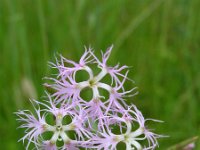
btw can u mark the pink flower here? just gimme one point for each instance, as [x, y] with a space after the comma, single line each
[72, 145]
[65, 71]
[65, 90]
[48, 145]
[91, 121]
[132, 138]
[115, 72]
[35, 126]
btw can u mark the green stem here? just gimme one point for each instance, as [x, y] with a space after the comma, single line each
[183, 143]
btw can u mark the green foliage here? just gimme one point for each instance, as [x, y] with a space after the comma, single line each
[159, 38]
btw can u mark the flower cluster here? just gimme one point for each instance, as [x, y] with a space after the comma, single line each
[92, 121]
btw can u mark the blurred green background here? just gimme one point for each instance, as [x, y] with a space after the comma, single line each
[159, 38]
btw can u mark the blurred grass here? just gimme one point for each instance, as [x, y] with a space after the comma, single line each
[159, 38]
